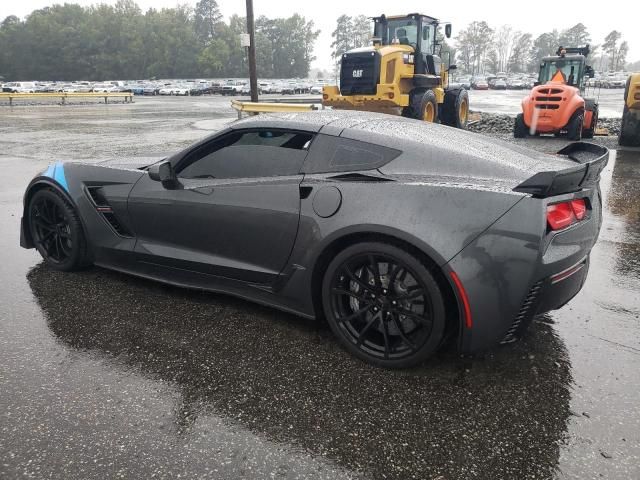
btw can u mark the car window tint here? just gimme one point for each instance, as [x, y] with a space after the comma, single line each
[260, 153]
[347, 155]
[336, 154]
[274, 139]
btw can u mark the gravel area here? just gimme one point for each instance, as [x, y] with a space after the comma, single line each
[502, 123]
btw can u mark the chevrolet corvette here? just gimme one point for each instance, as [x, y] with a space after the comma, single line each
[404, 235]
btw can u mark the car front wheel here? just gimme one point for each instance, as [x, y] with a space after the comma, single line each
[56, 231]
[384, 305]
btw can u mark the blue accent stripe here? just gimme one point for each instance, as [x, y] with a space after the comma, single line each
[56, 171]
[58, 176]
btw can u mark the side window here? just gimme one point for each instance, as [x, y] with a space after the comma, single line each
[427, 39]
[248, 154]
[335, 154]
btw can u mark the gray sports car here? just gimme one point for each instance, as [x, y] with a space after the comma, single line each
[402, 234]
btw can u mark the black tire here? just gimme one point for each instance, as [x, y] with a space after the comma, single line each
[589, 132]
[56, 231]
[520, 129]
[455, 109]
[629, 128]
[422, 105]
[384, 305]
[627, 85]
[574, 127]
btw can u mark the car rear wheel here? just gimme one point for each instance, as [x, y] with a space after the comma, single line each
[56, 231]
[384, 305]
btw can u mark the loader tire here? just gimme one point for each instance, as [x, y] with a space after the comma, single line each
[520, 129]
[574, 127]
[422, 106]
[455, 109]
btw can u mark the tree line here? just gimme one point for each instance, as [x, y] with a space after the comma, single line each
[480, 49]
[71, 42]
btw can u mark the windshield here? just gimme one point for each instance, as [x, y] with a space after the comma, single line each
[569, 70]
[403, 31]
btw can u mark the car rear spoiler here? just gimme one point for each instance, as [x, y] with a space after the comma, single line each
[591, 159]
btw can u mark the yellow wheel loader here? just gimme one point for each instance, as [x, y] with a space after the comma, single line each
[630, 128]
[401, 73]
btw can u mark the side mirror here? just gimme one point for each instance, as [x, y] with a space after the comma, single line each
[453, 67]
[163, 172]
[589, 71]
[447, 30]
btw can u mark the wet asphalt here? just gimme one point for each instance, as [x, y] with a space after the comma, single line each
[108, 376]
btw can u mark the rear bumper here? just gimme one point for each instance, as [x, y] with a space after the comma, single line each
[548, 294]
[557, 290]
[514, 271]
[548, 122]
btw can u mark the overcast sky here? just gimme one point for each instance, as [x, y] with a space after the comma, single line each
[599, 18]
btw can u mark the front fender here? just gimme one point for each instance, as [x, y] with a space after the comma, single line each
[52, 177]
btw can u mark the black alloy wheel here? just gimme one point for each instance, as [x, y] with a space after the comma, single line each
[56, 231]
[384, 305]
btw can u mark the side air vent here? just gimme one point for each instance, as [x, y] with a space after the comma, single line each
[104, 209]
[115, 224]
[524, 316]
[96, 195]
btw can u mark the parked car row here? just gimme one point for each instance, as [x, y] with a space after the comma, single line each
[608, 80]
[64, 87]
[170, 87]
[504, 81]
[494, 82]
[282, 87]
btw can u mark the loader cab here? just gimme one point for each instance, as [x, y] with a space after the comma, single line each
[416, 31]
[569, 69]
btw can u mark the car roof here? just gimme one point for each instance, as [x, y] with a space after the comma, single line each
[327, 121]
[432, 147]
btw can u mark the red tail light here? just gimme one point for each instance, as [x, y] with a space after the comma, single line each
[579, 208]
[561, 215]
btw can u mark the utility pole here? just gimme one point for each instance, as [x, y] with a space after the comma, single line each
[253, 79]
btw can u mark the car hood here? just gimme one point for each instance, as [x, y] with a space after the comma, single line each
[439, 151]
[133, 163]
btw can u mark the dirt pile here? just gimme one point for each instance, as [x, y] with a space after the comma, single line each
[498, 123]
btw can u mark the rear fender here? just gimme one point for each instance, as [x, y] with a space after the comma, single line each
[574, 104]
[527, 110]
